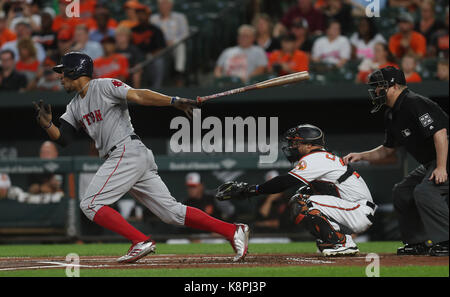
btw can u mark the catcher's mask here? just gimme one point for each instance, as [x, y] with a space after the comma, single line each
[301, 134]
[75, 65]
[380, 81]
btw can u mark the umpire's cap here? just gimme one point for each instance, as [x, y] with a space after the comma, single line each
[75, 65]
[383, 79]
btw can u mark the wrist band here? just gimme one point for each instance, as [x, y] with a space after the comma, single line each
[172, 101]
[46, 128]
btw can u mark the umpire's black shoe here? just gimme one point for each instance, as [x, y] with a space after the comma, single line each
[413, 249]
[439, 249]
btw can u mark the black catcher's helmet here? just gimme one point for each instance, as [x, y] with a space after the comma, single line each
[380, 81]
[305, 133]
[75, 65]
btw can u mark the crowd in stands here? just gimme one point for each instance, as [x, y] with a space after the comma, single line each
[333, 35]
[34, 37]
[316, 35]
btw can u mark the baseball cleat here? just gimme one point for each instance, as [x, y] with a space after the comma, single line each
[415, 249]
[240, 241]
[439, 250]
[138, 251]
[348, 248]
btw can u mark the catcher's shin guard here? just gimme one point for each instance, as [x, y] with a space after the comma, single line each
[316, 223]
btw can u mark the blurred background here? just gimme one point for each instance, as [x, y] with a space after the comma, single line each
[193, 48]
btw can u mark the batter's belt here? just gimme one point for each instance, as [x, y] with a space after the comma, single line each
[132, 136]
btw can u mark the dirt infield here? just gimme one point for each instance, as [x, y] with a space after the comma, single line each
[216, 261]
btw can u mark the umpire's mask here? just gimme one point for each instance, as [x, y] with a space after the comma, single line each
[305, 133]
[379, 83]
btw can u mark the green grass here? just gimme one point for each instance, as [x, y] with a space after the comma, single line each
[114, 249]
[289, 271]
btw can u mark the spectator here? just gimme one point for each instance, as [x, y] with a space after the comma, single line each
[440, 41]
[28, 11]
[428, 25]
[23, 31]
[64, 45]
[333, 48]
[103, 27]
[382, 58]
[65, 41]
[87, 8]
[46, 36]
[48, 151]
[200, 198]
[272, 210]
[363, 41]
[131, 19]
[133, 54]
[49, 80]
[196, 194]
[340, 11]
[409, 65]
[264, 28]
[82, 43]
[5, 184]
[62, 20]
[410, 5]
[28, 63]
[305, 9]
[289, 59]
[302, 41]
[150, 40]
[442, 70]
[407, 41]
[102, 14]
[10, 79]
[244, 60]
[46, 183]
[5, 33]
[112, 64]
[175, 28]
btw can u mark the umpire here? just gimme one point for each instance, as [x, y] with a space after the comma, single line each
[421, 127]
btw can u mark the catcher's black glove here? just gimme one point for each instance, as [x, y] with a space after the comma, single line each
[235, 190]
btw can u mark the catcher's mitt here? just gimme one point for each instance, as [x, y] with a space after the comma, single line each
[235, 190]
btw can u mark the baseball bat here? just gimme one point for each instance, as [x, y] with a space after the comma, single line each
[277, 81]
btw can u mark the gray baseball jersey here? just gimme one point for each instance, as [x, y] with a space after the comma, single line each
[102, 113]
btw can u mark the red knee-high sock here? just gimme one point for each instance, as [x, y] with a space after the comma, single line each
[112, 220]
[197, 219]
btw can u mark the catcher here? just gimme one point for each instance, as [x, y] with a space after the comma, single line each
[333, 200]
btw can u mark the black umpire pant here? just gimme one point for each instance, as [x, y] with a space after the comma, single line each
[422, 206]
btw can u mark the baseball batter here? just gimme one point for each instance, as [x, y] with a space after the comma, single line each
[333, 201]
[100, 109]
